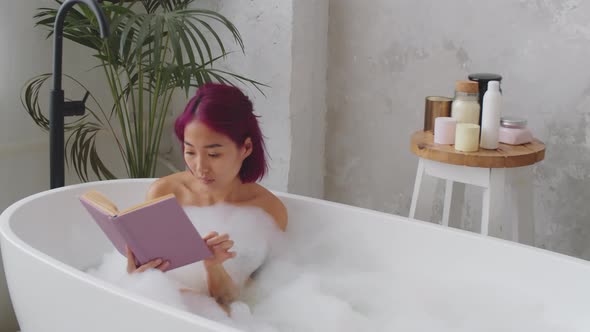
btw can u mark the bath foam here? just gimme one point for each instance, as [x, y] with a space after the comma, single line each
[323, 285]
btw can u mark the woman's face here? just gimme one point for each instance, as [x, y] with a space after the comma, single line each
[214, 159]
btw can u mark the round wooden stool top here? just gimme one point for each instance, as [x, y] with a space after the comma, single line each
[505, 156]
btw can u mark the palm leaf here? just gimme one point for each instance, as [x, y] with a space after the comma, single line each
[79, 140]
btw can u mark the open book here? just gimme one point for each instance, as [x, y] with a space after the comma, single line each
[157, 228]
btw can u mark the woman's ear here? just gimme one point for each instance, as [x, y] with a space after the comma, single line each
[246, 148]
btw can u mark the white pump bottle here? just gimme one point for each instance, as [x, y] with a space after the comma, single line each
[491, 113]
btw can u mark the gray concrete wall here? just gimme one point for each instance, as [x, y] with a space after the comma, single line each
[308, 97]
[386, 56]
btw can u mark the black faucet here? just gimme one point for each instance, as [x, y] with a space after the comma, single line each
[58, 108]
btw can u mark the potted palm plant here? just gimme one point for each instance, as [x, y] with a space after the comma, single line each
[155, 47]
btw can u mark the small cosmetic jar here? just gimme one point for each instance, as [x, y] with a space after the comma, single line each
[513, 131]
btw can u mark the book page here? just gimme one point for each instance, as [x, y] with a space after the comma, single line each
[146, 203]
[101, 201]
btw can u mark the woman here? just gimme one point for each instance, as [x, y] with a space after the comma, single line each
[224, 153]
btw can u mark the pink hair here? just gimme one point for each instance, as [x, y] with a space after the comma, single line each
[226, 110]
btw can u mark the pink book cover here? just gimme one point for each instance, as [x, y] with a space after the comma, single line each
[158, 230]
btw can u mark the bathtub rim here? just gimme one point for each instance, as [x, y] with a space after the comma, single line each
[5, 228]
[8, 236]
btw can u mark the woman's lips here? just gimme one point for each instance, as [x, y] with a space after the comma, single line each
[206, 180]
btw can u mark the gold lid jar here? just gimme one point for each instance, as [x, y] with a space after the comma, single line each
[468, 87]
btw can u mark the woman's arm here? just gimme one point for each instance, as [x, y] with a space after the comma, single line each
[221, 286]
[272, 205]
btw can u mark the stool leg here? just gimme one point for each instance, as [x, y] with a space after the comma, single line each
[485, 211]
[457, 204]
[492, 199]
[417, 183]
[522, 209]
[447, 207]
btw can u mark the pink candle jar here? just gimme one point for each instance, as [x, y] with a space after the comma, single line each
[513, 131]
[444, 130]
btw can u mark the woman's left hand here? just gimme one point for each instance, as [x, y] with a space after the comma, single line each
[219, 246]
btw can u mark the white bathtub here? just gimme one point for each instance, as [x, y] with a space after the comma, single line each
[47, 242]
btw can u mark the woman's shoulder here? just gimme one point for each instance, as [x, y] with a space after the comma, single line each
[169, 184]
[270, 203]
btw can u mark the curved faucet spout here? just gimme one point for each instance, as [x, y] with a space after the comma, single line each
[58, 31]
[68, 4]
[56, 97]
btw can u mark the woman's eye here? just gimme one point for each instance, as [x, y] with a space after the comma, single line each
[190, 153]
[213, 155]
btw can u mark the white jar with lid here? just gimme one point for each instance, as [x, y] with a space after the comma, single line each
[465, 107]
[513, 131]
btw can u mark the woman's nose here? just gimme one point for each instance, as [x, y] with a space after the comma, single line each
[202, 166]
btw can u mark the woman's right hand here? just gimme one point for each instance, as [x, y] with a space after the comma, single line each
[153, 264]
[219, 245]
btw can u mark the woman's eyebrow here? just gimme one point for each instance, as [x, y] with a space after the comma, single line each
[210, 146]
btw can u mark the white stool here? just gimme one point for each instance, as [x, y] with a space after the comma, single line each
[508, 190]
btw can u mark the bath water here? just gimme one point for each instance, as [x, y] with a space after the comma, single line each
[321, 285]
